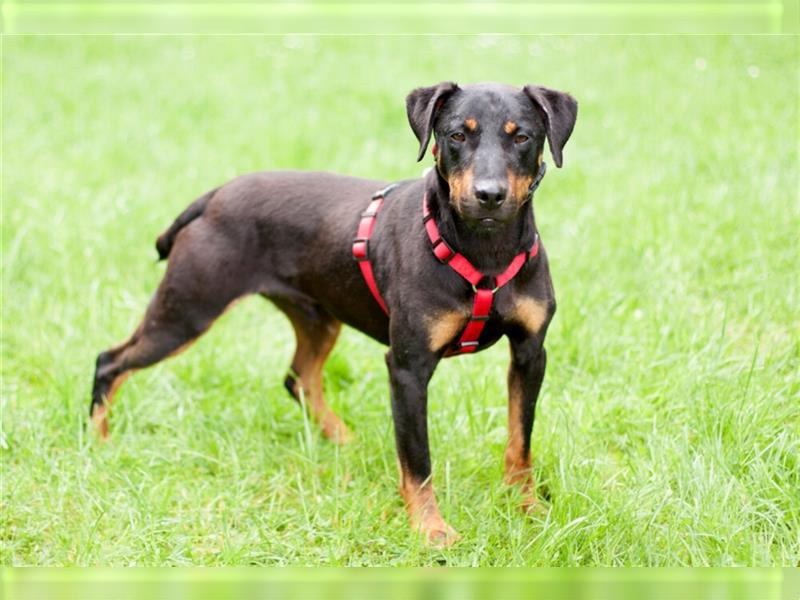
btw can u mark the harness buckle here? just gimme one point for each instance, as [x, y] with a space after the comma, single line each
[474, 344]
[443, 259]
[361, 253]
[382, 193]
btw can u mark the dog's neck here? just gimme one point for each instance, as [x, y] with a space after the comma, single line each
[489, 251]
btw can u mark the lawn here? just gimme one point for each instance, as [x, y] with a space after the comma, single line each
[668, 428]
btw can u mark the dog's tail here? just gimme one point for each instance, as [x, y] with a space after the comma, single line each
[167, 239]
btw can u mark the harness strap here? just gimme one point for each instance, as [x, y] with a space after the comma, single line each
[482, 302]
[481, 306]
[484, 297]
[361, 243]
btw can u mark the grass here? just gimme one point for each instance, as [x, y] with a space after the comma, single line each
[668, 430]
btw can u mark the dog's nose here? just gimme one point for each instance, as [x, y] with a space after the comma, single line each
[490, 194]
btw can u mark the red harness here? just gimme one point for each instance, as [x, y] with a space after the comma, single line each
[468, 341]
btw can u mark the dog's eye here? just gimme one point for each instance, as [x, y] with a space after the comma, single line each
[457, 137]
[521, 139]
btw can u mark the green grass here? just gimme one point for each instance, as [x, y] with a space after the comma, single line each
[668, 428]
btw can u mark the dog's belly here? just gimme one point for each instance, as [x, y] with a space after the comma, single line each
[360, 315]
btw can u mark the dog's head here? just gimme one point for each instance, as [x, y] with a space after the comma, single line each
[489, 142]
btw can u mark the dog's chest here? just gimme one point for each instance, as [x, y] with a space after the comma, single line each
[509, 309]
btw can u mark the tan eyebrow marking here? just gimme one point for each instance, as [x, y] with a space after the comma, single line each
[510, 127]
[471, 124]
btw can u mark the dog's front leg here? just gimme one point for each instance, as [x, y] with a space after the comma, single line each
[411, 364]
[525, 375]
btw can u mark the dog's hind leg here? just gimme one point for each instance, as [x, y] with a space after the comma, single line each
[316, 331]
[195, 290]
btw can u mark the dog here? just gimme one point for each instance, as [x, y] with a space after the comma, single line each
[436, 266]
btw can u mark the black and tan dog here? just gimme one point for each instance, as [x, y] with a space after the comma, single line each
[289, 237]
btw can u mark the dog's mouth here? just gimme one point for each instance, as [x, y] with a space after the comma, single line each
[489, 224]
[479, 218]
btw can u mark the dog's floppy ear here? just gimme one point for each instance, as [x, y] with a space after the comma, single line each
[422, 105]
[560, 111]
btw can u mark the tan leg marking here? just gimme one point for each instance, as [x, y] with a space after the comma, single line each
[100, 421]
[517, 462]
[100, 413]
[510, 127]
[423, 511]
[530, 313]
[308, 362]
[444, 327]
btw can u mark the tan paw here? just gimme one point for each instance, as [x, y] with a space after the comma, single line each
[100, 422]
[438, 534]
[529, 503]
[336, 431]
[527, 489]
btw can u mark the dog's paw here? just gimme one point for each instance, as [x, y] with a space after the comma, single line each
[439, 534]
[436, 532]
[524, 485]
[334, 429]
[533, 502]
[527, 500]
